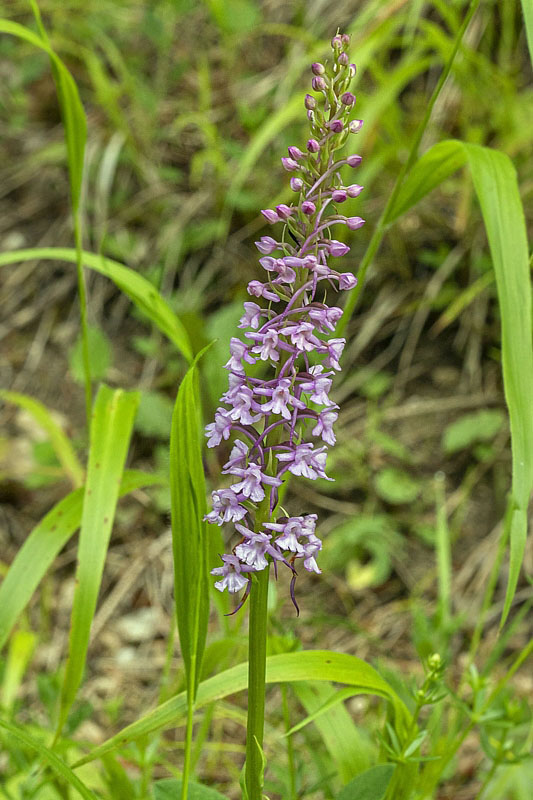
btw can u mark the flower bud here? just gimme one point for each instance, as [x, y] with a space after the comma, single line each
[311, 116]
[313, 146]
[308, 207]
[348, 99]
[290, 164]
[345, 39]
[354, 223]
[284, 211]
[297, 184]
[318, 83]
[339, 195]
[337, 249]
[354, 190]
[295, 153]
[336, 42]
[352, 70]
[355, 125]
[266, 245]
[347, 280]
[343, 60]
[354, 160]
[318, 68]
[336, 126]
[310, 102]
[270, 215]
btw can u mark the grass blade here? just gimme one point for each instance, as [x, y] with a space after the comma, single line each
[527, 10]
[43, 545]
[50, 757]
[309, 665]
[60, 442]
[497, 190]
[138, 289]
[111, 428]
[189, 539]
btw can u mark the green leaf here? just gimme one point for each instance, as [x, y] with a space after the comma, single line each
[497, 190]
[50, 757]
[170, 789]
[481, 426]
[437, 164]
[309, 665]
[396, 486]
[60, 442]
[42, 546]
[112, 424]
[138, 289]
[189, 534]
[100, 356]
[370, 785]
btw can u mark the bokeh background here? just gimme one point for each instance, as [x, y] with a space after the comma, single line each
[190, 106]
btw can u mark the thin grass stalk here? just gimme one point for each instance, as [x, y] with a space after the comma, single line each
[290, 746]
[382, 225]
[82, 293]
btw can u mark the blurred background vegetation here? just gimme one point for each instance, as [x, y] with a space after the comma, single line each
[190, 105]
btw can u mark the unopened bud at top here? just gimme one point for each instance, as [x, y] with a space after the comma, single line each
[270, 215]
[343, 59]
[318, 68]
[354, 160]
[336, 248]
[308, 207]
[345, 39]
[309, 102]
[284, 211]
[352, 70]
[295, 153]
[354, 223]
[354, 190]
[355, 125]
[336, 126]
[336, 42]
[313, 146]
[347, 99]
[297, 184]
[290, 164]
[318, 83]
[339, 195]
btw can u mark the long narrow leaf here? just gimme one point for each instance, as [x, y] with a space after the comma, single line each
[138, 289]
[527, 10]
[309, 665]
[43, 545]
[189, 536]
[112, 424]
[48, 755]
[59, 441]
[497, 190]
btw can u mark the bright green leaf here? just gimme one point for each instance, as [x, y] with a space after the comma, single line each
[370, 785]
[481, 426]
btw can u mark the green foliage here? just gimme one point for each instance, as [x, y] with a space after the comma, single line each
[100, 355]
[396, 486]
[154, 415]
[370, 785]
[482, 426]
[169, 789]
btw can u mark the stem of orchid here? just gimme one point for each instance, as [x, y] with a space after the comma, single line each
[257, 638]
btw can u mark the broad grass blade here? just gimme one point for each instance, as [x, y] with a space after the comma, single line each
[497, 190]
[60, 442]
[43, 545]
[138, 289]
[437, 164]
[20, 652]
[348, 748]
[59, 766]
[112, 424]
[189, 535]
[309, 665]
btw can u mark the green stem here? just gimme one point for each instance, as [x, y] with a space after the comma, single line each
[188, 734]
[83, 317]
[383, 223]
[256, 685]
